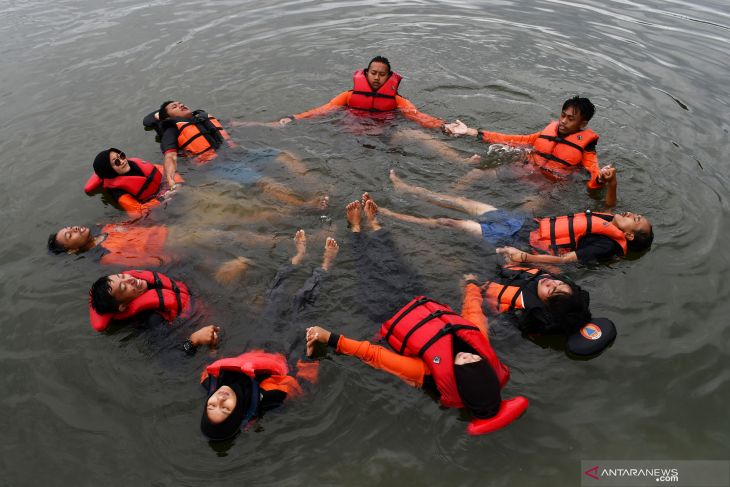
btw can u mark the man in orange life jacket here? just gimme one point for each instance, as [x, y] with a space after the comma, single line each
[559, 148]
[148, 297]
[375, 90]
[584, 237]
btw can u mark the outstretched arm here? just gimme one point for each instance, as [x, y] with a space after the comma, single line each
[517, 256]
[340, 100]
[460, 128]
[409, 369]
[608, 174]
[471, 308]
[410, 111]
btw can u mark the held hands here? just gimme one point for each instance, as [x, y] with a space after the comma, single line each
[608, 174]
[316, 334]
[458, 128]
[512, 255]
[285, 120]
[208, 335]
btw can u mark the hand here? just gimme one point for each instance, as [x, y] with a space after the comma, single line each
[285, 120]
[208, 335]
[608, 174]
[316, 334]
[456, 128]
[470, 277]
[512, 255]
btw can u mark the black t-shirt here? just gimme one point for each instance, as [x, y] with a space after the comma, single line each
[593, 248]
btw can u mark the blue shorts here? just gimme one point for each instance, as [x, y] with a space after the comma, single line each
[244, 170]
[500, 227]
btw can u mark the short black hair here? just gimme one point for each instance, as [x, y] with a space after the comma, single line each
[583, 105]
[101, 296]
[162, 112]
[569, 312]
[380, 59]
[642, 240]
[54, 245]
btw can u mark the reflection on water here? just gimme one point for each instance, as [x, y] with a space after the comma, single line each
[122, 408]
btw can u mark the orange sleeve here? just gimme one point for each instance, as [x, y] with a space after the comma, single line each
[134, 207]
[516, 140]
[340, 100]
[283, 383]
[410, 111]
[471, 309]
[590, 162]
[409, 369]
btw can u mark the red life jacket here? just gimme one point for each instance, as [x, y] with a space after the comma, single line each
[169, 298]
[503, 297]
[142, 188]
[426, 329]
[557, 155]
[200, 134]
[249, 363]
[561, 234]
[364, 98]
[132, 245]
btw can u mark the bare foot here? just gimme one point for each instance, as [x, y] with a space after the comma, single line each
[300, 243]
[475, 159]
[330, 252]
[365, 197]
[397, 182]
[231, 270]
[321, 202]
[352, 211]
[371, 213]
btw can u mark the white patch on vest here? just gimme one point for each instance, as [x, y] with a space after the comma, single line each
[437, 360]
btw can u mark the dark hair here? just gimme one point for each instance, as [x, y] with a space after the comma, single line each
[642, 240]
[101, 296]
[162, 113]
[54, 245]
[380, 59]
[569, 312]
[583, 105]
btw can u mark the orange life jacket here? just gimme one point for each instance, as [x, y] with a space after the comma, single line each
[132, 245]
[561, 234]
[169, 298]
[364, 98]
[258, 362]
[426, 329]
[503, 296]
[557, 155]
[142, 188]
[200, 136]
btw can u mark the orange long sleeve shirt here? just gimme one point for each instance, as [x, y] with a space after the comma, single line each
[407, 108]
[589, 160]
[411, 370]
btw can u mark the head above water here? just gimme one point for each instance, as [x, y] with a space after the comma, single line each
[225, 410]
[575, 115]
[70, 239]
[477, 384]
[111, 163]
[566, 304]
[637, 229]
[378, 72]
[174, 109]
[111, 294]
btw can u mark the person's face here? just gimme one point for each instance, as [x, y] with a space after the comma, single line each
[119, 162]
[463, 358]
[125, 288]
[548, 288]
[178, 109]
[630, 223]
[570, 122]
[377, 74]
[73, 238]
[221, 404]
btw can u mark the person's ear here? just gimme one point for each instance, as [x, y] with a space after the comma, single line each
[72, 251]
[583, 124]
[629, 235]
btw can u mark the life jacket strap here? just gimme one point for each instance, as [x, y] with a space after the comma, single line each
[447, 329]
[418, 325]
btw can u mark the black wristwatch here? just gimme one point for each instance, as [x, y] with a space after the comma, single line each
[189, 347]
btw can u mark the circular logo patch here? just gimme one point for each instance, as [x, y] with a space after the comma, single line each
[437, 360]
[591, 331]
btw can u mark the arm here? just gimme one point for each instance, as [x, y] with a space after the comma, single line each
[459, 128]
[410, 111]
[590, 162]
[170, 166]
[608, 174]
[207, 335]
[134, 207]
[517, 256]
[151, 120]
[409, 369]
[340, 100]
[471, 308]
